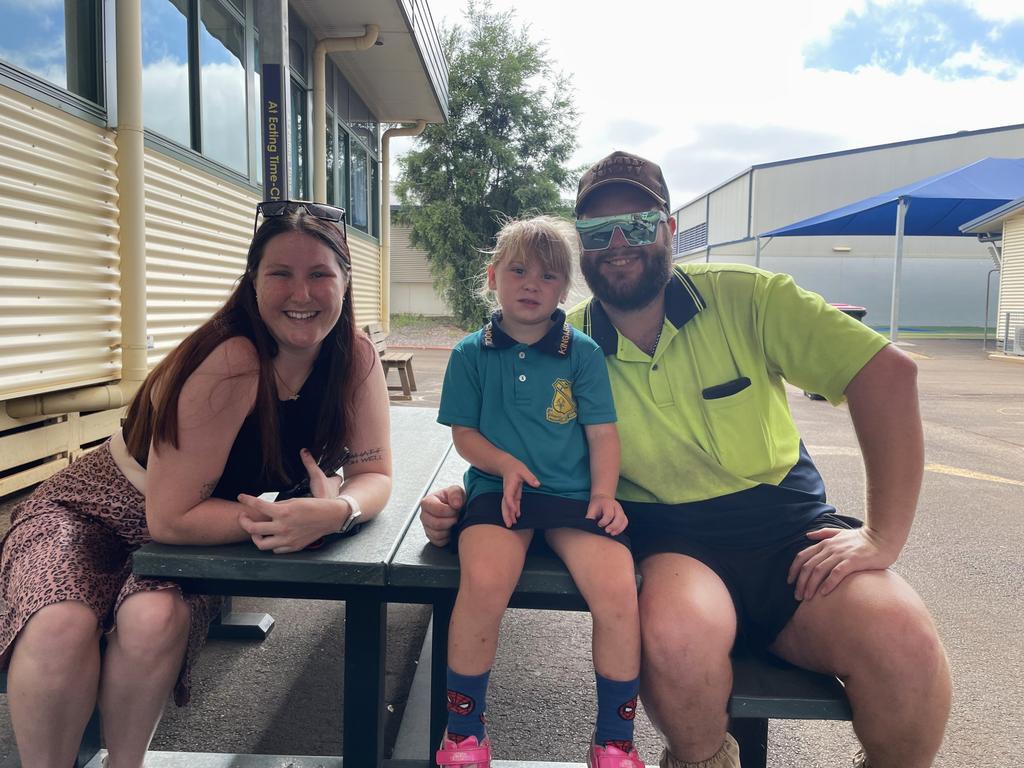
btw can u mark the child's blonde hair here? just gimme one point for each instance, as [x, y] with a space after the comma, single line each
[549, 239]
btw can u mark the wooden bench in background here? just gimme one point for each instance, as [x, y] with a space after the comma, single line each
[400, 361]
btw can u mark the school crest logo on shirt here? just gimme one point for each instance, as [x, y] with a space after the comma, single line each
[563, 408]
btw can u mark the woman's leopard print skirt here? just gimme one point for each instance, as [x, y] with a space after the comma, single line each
[73, 539]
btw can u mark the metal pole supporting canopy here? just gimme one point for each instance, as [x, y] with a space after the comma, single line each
[901, 218]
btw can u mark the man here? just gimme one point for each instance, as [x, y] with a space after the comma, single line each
[727, 511]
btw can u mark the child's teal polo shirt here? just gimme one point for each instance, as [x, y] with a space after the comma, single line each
[531, 401]
[707, 417]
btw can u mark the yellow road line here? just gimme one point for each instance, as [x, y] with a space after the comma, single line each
[942, 469]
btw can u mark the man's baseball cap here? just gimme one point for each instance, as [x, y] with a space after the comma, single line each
[624, 168]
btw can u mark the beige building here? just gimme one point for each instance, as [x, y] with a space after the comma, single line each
[412, 285]
[1004, 227]
[944, 278]
[141, 134]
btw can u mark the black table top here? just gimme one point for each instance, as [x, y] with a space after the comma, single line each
[419, 445]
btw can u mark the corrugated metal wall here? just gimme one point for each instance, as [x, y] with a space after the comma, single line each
[365, 277]
[59, 308]
[1011, 273]
[728, 211]
[408, 264]
[198, 229]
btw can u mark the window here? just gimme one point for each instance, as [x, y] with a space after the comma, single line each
[58, 42]
[222, 91]
[194, 70]
[375, 197]
[166, 103]
[298, 182]
[359, 173]
[331, 168]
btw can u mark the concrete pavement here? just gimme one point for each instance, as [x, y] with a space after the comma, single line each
[964, 557]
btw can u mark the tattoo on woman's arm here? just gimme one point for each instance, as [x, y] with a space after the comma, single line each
[364, 457]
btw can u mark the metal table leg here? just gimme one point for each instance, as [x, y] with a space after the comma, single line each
[365, 639]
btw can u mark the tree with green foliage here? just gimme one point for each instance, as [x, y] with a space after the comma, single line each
[502, 153]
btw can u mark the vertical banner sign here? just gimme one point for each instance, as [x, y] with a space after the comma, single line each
[274, 170]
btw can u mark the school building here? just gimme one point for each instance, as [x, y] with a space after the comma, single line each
[140, 136]
[945, 280]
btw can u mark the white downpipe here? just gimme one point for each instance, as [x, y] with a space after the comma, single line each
[323, 47]
[894, 317]
[132, 239]
[385, 215]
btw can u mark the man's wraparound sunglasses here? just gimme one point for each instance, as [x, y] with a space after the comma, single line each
[638, 229]
[270, 208]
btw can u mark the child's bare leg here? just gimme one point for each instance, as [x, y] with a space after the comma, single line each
[603, 571]
[490, 561]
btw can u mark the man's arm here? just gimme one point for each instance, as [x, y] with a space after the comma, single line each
[884, 408]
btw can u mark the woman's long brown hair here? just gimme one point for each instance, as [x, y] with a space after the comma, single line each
[153, 414]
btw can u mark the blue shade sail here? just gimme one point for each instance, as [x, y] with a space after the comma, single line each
[938, 204]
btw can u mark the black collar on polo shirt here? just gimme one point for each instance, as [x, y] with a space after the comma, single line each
[555, 342]
[682, 303]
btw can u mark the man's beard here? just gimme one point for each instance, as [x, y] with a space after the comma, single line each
[657, 269]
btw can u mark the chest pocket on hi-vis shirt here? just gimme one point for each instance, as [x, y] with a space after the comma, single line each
[563, 408]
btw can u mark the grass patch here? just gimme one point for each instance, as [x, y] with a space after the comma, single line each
[408, 322]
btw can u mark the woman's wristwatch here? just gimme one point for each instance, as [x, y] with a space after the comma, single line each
[354, 513]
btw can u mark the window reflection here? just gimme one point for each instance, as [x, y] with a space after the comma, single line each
[221, 55]
[165, 94]
[58, 42]
[359, 182]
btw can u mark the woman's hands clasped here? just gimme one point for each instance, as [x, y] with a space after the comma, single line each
[292, 525]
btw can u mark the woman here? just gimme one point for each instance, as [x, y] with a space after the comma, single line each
[276, 388]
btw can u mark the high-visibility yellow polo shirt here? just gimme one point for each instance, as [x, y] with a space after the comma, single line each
[707, 415]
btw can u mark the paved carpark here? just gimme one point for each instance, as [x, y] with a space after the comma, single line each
[280, 697]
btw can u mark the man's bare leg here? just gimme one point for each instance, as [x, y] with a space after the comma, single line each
[875, 634]
[688, 626]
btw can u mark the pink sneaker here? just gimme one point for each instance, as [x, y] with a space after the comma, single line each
[468, 753]
[612, 757]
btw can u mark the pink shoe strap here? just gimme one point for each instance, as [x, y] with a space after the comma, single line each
[611, 757]
[480, 755]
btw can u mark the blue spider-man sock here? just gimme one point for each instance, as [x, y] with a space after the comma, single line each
[467, 702]
[616, 708]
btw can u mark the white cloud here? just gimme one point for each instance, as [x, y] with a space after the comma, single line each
[679, 67]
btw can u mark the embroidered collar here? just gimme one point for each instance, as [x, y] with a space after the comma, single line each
[682, 303]
[555, 342]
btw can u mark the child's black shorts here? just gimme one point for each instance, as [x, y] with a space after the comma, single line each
[539, 511]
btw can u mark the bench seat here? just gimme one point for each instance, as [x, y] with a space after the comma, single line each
[398, 361]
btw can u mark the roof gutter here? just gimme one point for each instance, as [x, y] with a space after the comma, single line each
[130, 153]
[385, 215]
[323, 47]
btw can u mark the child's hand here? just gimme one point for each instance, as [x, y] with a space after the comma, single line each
[608, 514]
[513, 476]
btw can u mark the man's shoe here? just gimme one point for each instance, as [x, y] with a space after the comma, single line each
[726, 757]
[612, 757]
[468, 753]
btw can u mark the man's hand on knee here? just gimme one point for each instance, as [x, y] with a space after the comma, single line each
[439, 511]
[821, 567]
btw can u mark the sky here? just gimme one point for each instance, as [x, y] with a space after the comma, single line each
[707, 89]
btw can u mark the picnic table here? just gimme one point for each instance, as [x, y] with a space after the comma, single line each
[349, 568]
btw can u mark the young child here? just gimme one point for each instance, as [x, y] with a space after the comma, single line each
[530, 407]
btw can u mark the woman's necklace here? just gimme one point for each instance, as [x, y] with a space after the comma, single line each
[291, 394]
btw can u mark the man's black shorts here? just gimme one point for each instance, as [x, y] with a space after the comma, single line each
[754, 576]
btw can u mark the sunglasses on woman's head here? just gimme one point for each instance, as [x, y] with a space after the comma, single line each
[637, 228]
[270, 208]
